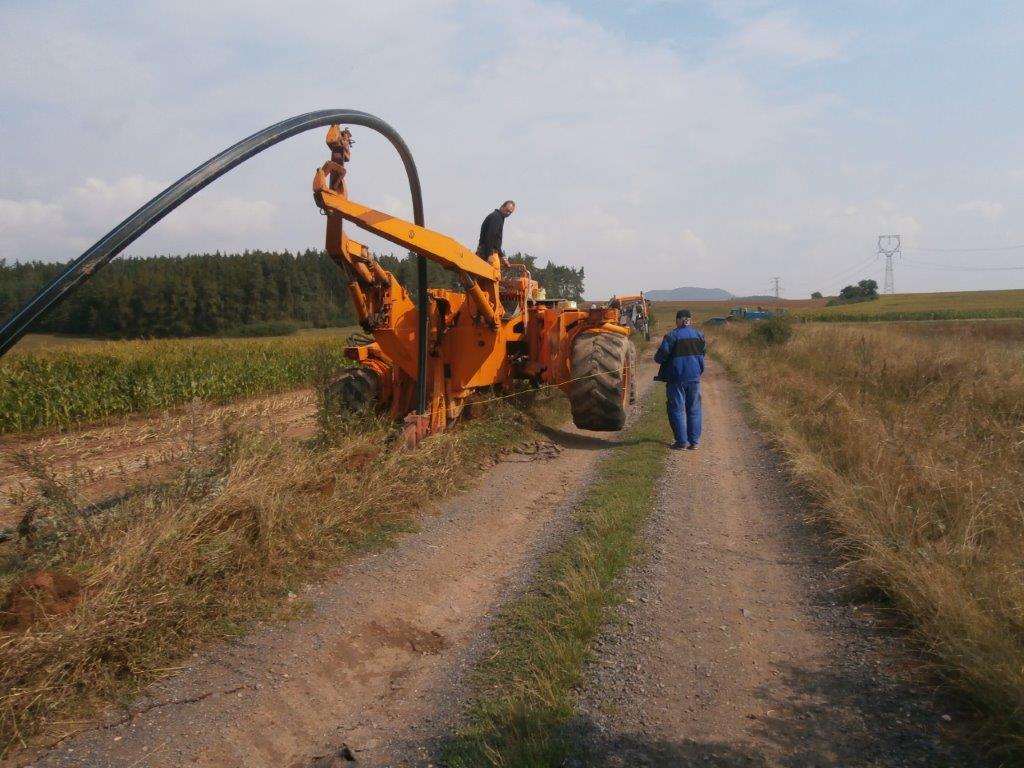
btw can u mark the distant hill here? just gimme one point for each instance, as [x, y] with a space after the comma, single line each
[689, 293]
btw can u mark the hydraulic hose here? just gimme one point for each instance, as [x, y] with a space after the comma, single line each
[125, 233]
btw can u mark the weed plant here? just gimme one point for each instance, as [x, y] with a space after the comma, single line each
[775, 330]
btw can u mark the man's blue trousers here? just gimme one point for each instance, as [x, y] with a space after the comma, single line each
[684, 410]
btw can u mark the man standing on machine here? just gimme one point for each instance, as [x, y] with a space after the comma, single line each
[491, 231]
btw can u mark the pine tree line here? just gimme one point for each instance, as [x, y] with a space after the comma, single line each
[209, 294]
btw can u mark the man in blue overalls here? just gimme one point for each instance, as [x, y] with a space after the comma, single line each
[681, 356]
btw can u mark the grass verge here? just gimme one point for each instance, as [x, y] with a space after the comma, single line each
[100, 600]
[542, 640]
[910, 438]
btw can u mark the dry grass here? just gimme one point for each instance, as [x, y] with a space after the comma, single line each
[244, 522]
[913, 441]
[1007, 332]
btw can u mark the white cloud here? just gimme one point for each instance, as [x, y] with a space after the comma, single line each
[780, 36]
[986, 209]
[18, 215]
[63, 227]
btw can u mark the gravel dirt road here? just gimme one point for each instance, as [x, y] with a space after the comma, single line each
[740, 644]
[377, 666]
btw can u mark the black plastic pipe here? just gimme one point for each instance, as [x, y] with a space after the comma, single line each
[125, 233]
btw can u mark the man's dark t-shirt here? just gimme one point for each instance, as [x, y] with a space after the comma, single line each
[490, 235]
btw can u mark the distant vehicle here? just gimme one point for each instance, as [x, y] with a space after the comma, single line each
[716, 321]
[634, 311]
[742, 313]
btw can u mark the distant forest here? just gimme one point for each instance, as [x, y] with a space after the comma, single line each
[209, 294]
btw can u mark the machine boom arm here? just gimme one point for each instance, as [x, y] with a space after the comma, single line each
[437, 247]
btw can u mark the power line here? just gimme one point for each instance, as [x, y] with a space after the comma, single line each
[898, 250]
[840, 275]
[968, 250]
[775, 280]
[958, 268]
[851, 270]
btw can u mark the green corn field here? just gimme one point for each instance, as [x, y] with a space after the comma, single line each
[68, 387]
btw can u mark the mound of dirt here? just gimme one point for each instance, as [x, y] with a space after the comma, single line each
[38, 595]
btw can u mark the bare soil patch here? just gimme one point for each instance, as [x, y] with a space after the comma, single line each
[38, 595]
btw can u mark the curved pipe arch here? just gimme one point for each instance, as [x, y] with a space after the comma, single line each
[125, 233]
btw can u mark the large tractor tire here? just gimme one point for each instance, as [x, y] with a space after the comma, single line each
[355, 389]
[603, 386]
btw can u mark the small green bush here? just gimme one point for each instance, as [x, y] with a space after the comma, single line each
[776, 330]
[840, 301]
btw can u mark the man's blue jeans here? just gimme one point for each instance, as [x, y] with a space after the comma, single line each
[684, 410]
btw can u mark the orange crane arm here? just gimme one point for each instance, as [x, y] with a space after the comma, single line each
[444, 250]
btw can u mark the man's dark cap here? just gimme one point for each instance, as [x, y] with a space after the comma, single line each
[682, 313]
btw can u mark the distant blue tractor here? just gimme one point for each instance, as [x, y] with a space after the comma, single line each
[742, 313]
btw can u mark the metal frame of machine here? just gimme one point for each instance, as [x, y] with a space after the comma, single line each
[493, 333]
[635, 311]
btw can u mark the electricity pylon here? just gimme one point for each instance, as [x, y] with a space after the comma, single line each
[888, 246]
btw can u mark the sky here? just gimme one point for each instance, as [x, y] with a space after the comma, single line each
[656, 143]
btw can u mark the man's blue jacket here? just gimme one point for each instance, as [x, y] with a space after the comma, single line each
[681, 355]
